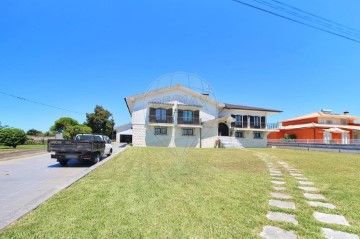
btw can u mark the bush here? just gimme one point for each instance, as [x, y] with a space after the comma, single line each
[12, 137]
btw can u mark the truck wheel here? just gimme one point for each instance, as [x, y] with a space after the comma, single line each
[110, 153]
[63, 162]
[96, 158]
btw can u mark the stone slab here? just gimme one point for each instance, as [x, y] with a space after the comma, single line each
[281, 196]
[279, 188]
[306, 183]
[282, 204]
[296, 174]
[314, 196]
[302, 178]
[276, 174]
[278, 182]
[321, 204]
[270, 232]
[331, 234]
[331, 218]
[277, 178]
[283, 217]
[309, 189]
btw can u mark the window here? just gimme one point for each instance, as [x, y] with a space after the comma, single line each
[238, 121]
[257, 135]
[188, 132]
[187, 116]
[160, 114]
[239, 134]
[160, 131]
[256, 122]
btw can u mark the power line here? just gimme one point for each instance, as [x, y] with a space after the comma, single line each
[39, 103]
[312, 18]
[330, 31]
[298, 13]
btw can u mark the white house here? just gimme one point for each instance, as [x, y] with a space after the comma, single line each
[177, 116]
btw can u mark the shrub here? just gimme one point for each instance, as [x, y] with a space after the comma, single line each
[12, 137]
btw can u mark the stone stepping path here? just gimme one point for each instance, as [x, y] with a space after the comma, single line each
[331, 218]
[314, 196]
[278, 182]
[332, 234]
[307, 186]
[282, 204]
[283, 217]
[306, 183]
[270, 232]
[321, 204]
[313, 199]
[279, 188]
[309, 189]
[281, 196]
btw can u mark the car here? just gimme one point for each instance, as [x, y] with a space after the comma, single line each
[108, 146]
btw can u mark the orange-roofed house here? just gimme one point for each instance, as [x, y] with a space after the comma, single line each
[320, 127]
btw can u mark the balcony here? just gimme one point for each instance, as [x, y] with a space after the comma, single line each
[163, 119]
[189, 120]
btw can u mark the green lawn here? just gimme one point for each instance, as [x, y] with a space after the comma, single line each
[206, 193]
[6, 149]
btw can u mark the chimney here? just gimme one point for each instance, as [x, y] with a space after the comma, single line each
[346, 112]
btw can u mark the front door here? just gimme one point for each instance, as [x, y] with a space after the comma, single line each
[223, 129]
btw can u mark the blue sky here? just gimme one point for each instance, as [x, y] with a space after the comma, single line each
[76, 54]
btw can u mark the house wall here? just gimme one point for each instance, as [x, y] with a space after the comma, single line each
[143, 134]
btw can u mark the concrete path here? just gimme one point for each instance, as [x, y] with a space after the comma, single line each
[27, 182]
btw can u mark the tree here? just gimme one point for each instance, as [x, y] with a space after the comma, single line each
[70, 127]
[100, 121]
[12, 137]
[63, 123]
[33, 132]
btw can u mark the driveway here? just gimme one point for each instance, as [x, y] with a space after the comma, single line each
[27, 182]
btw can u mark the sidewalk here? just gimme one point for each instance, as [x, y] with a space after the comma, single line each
[20, 154]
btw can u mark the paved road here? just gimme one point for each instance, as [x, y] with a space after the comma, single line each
[25, 183]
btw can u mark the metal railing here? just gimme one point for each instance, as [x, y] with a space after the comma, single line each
[189, 120]
[167, 119]
[315, 141]
[259, 126]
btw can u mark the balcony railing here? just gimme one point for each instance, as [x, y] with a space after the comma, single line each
[315, 141]
[189, 120]
[257, 126]
[167, 119]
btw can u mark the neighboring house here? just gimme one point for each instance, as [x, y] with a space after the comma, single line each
[320, 127]
[124, 133]
[177, 116]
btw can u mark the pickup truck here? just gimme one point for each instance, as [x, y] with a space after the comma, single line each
[84, 147]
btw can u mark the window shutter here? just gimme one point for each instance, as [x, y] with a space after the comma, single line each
[245, 121]
[152, 114]
[263, 122]
[180, 116]
[197, 117]
[251, 121]
[169, 115]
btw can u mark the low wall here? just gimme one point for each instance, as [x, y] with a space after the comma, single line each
[339, 148]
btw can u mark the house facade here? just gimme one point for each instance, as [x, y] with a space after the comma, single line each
[177, 116]
[320, 127]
